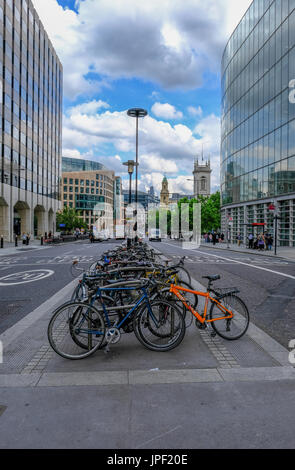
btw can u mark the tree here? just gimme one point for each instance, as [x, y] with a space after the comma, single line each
[210, 211]
[70, 218]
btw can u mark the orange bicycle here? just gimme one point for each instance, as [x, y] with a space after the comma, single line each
[228, 315]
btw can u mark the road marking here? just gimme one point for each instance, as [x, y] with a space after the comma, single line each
[241, 262]
[25, 277]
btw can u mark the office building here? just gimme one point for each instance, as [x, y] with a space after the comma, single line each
[87, 186]
[145, 199]
[258, 122]
[31, 112]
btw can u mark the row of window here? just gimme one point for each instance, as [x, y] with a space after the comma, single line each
[47, 80]
[87, 182]
[40, 38]
[87, 191]
[272, 83]
[273, 180]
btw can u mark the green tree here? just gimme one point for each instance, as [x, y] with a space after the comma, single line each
[210, 211]
[70, 218]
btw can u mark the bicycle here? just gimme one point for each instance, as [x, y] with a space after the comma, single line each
[78, 329]
[229, 316]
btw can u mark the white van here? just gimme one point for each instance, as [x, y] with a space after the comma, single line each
[155, 234]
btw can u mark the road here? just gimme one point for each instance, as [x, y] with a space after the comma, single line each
[266, 284]
[51, 270]
[207, 393]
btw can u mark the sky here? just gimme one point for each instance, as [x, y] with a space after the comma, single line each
[163, 56]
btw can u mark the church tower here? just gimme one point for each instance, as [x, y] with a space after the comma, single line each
[202, 178]
[164, 200]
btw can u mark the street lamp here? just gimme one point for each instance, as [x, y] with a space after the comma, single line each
[137, 113]
[130, 164]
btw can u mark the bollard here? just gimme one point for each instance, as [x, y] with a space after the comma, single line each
[16, 240]
[2, 242]
[42, 241]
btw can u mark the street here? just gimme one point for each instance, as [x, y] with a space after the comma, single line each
[266, 284]
[51, 267]
[206, 393]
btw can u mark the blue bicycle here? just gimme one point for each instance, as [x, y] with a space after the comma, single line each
[78, 329]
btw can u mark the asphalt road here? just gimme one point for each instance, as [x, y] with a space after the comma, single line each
[263, 283]
[51, 269]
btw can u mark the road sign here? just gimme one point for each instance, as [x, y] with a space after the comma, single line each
[272, 207]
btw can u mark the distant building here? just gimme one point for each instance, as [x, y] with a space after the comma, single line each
[202, 178]
[85, 189]
[164, 197]
[145, 199]
[79, 164]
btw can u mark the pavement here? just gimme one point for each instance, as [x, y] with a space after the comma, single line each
[282, 251]
[207, 393]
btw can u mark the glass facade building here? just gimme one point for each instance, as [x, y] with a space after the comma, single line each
[31, 115]
[78, 164]
[258, 121]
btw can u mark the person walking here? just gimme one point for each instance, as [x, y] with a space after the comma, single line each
[24, 238]
[260, 243]
[239, 239]
[28, 238]
[251, 241]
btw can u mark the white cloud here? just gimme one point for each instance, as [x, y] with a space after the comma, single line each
[166, 111]
[195, 111]
[170, 43]
[90, 107]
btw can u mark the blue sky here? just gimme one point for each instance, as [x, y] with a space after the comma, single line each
[162, 56]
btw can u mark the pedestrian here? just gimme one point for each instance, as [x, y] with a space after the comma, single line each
[214, 238]
[28, 238]
[251, 241]
[260, 243]
[269, 242]
[239, 239]
[24, 238]
[222, 237]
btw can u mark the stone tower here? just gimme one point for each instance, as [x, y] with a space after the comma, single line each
[202, 178]
[164, 200]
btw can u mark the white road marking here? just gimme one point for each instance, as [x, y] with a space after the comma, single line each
[241, 262]
[25, 277]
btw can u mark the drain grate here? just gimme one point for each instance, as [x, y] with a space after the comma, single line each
[2, 409]
[7, 307]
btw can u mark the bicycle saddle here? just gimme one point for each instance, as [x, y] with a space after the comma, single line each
[212, 278]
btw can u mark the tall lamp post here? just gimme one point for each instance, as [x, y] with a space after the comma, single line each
[130, 164]
[137, 113]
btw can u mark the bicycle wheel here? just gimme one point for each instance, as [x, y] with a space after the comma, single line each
[160, 328]
[234, 328]
[184, 275]
[76, 330]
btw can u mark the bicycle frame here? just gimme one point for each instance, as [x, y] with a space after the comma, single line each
[202, 319]
[144, 298]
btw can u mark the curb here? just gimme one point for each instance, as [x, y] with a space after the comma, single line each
[245, 252]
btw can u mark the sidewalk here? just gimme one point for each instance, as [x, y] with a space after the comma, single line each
[282, 252]
[11, 249]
